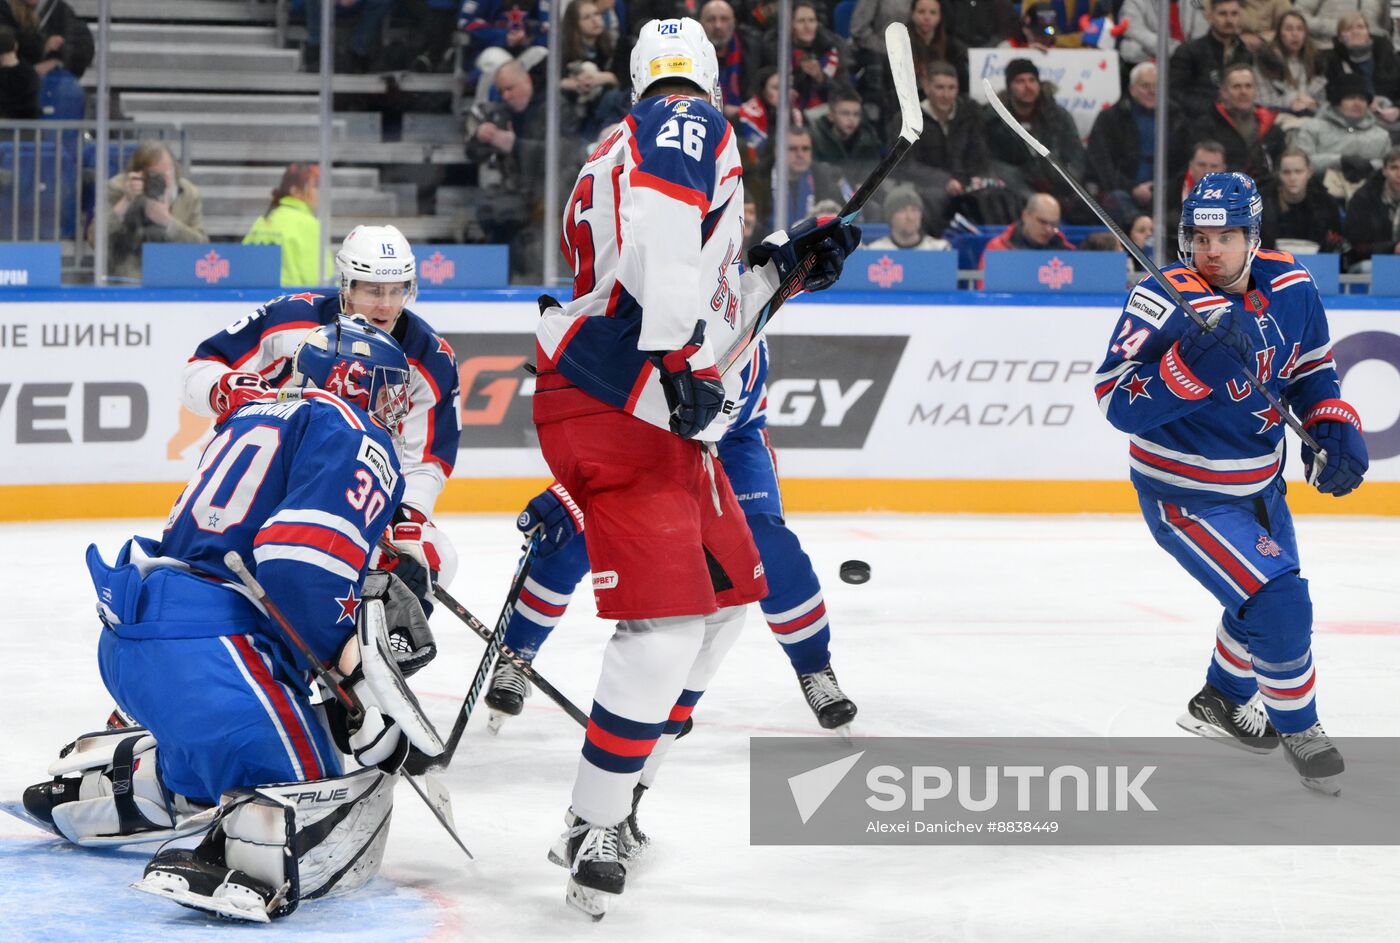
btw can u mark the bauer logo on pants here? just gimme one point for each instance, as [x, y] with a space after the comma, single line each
[1060, 791]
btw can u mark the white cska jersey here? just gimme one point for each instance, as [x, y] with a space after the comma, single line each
[654, 231]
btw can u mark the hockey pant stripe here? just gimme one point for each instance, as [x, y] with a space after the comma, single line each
[1217, 553]
[616, 744]
[1289, 694]
[1231, 655]
[281, 708]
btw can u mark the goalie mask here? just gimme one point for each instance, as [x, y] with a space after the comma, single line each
[1220, 201]
[668, 50]
[359, 363]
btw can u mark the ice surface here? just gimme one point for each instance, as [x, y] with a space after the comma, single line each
[1055, 626]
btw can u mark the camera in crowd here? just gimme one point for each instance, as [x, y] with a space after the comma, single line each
[497, 113]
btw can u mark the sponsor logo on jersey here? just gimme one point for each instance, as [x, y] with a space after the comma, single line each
[885, 272]
[605, 580]
[378, 461]
[1267, 546]
[1148, 306]
[212, 268]
[438, 268]
[1055, 274]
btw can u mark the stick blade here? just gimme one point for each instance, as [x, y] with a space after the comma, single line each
[902, 68]
[994, 100]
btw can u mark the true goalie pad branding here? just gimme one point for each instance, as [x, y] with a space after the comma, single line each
[379, 463]
[1150, 307]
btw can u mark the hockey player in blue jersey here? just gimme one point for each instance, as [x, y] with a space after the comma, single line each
[378, 279]
[794, 607]
[1207, 456]
[301, 486]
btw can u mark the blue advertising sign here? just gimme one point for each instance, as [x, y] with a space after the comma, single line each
[899, 270]
[210, 265]
[450, 266]
[1325, 269]
[30, 265]
[1063, 272]
[1385, 274]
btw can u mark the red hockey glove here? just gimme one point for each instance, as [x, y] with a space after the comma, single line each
[235, 389]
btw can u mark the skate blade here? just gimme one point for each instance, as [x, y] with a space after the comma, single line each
[588, 900]
[1202, 729]
[843, 731]
[558, 852]
[1327, 785]
[225, 907]
[494, 720]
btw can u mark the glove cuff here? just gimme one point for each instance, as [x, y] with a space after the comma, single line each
[1333, 410]
[567, 500]
[1178, 378]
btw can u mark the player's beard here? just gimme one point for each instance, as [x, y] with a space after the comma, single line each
[1219, 276]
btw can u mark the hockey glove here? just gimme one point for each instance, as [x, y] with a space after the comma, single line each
[819, 245]
[409, 636]
[554, 511]
[694, 388]
[235, 389]
[1337, 429]
[1215, 356]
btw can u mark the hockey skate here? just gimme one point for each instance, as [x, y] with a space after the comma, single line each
[506, 696]
[596, 870]
[1244, 726]
[1316, 758]
[200, 879]
[833, 709]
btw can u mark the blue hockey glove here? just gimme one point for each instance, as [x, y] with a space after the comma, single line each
[820, 244]
[1337, 429]
[694, 388]
[555, 511]
[1215, 356]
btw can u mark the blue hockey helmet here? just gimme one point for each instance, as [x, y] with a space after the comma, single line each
[359, 363]
[1224, 201]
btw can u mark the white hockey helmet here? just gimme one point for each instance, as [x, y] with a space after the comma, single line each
[675, 49]
[376, 254]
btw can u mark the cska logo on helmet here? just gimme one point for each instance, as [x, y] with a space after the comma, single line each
[350, 381]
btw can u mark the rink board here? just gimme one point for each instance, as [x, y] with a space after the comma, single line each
[930, 403]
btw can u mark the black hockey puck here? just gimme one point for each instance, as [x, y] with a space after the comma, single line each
[855, 571]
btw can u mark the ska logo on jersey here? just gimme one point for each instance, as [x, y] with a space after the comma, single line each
[1267, 546]
[349, 606]
[1136, 387]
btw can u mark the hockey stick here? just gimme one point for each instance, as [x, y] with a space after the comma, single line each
[912, 125]
[334, 682]
[494, 647]
[1319, 455]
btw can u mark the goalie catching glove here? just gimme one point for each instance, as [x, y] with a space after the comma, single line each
[820, 245]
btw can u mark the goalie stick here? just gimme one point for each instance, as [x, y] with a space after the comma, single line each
[1319, 455]
[434, 797]
[901, 59]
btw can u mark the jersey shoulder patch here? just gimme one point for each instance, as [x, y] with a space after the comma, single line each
[374, 457]
[1148, 304]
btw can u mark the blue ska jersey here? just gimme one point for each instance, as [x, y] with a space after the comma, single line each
[301, 489]
[1194, 443]
[264, 342]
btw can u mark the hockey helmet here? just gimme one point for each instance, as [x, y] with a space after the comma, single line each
[376, 254]
[1221, 201]
[675, 49]
[359, 363]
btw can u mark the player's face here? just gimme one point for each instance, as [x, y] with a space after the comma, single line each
[1219, 253]
[379, 303]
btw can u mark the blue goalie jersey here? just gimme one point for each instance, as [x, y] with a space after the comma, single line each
[1190, 442]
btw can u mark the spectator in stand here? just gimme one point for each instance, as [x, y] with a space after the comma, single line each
[615, 20]
[819, 56]
[1207, 157]
[1198, 66]
[1139, 230]
[48, 35]
[738, 51]
[1139, 41]
[1033, 104]
[904, 211]
[1249, 131]
[758, 115]
[596, 79]
[1358, 52]
[19, 83]
[290, 222]
[1122, 146]
[983, 24]
[931, 40]
[1038, 27]
[949, 163]
[150, 202]
[1259, 21]
[1290, 72]
[1322, 16]
[1344, 137]
[515, 26]
[364, 41]
[1038, 228]
[1372, 224]
[842, 138]
[808, 182]
[1300, 216]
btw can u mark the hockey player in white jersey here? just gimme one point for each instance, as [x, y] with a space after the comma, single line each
[627, 382]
